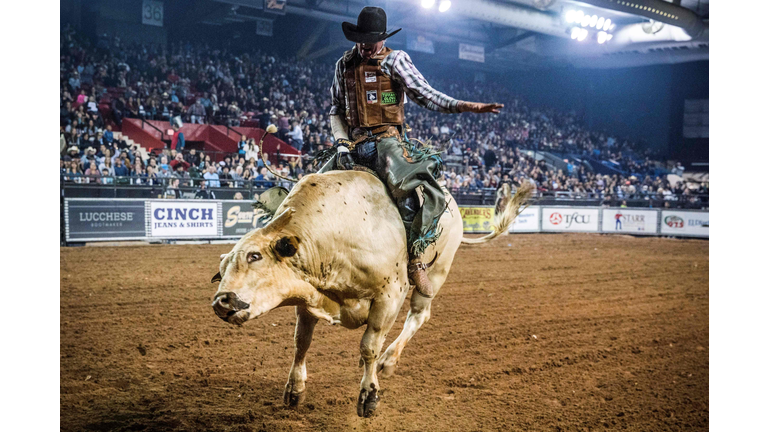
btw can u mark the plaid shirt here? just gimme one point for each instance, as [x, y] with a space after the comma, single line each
[398, 67]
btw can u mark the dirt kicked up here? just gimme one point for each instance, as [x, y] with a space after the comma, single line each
[530, 332]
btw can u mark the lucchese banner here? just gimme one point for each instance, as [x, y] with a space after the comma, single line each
[104, 219]
[239, 218]
[477, 219]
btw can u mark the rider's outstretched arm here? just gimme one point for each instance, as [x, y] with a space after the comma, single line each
[400, 67]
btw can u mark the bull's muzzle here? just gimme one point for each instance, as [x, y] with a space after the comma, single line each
[230, 308]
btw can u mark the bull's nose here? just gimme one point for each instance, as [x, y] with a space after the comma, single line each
[226, 304]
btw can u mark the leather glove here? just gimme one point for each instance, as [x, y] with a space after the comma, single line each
[344, 159]
[477, 107]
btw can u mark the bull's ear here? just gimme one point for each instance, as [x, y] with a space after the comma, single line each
[216, 278]
[287, 246]
[279, 222]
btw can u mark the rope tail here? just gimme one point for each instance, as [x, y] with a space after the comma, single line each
[264, 159]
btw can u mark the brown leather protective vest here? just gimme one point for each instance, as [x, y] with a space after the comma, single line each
[372, 98]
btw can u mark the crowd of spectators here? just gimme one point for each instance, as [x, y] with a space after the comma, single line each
[203, 84]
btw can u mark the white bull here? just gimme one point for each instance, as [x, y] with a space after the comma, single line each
[336, 249]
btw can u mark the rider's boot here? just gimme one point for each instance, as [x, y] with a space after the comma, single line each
[417, 277]
[417, 268]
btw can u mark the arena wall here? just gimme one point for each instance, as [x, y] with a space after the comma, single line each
[99, 219]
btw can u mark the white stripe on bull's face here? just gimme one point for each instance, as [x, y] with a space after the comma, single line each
[259, 275]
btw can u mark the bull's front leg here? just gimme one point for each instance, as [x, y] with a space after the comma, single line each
[381, 318]
[297, 378]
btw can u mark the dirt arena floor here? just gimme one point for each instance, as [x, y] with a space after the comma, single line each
[530, 332]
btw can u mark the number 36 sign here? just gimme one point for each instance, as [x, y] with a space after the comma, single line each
[152, 13]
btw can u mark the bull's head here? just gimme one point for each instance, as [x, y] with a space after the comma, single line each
[257, 276]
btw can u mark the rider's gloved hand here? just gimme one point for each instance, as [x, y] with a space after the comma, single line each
[345, 158]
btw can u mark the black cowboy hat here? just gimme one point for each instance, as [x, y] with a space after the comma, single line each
[371, 26]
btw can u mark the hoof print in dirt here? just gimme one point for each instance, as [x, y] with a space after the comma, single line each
[366, 403]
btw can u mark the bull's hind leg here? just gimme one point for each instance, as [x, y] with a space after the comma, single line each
[418, 315]
[297, 378]
[380, 319]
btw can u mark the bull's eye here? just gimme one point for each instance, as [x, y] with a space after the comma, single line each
[253, 256]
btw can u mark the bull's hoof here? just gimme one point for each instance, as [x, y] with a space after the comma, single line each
[291, 397]
[366, 403]
[385, 367]
[386, 370]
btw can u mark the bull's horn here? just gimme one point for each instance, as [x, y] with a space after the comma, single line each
[279, 222]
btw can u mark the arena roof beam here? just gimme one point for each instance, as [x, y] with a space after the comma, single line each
[657, 10]
[509, 15]
[511, 41]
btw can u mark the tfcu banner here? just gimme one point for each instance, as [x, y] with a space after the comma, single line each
[687, 223]
[569, 219]
[239, 218]
[527, 220]
[181, 219]
[630, 221]
[477, 219]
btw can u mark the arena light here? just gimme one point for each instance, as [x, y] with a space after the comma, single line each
[607, 24]
[444, 5]
[602, 37]
[570, 16]
[600, 23]
[575, 31]
[578, 16]
[426, 4]
[585, 20]
[593, 21]
[583, 35]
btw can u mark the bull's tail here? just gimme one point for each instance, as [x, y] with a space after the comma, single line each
[507, 209]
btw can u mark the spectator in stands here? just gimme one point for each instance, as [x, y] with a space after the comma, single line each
[73, 173]
[192, 158]
[172, 191]
[177, 139]
[204, 193]
[296, 136]
[92, 173]
[197, 112]
[225, 177]
[238, 196]
[211, 177]
[120, 169]
[241, 145]
[106, 177]
[106, 164]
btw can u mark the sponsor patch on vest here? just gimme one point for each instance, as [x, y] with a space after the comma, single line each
[388, 98]
[371, 96]
[370, 77]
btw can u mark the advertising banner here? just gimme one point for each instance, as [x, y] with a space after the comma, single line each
[475, 53]
[180, 219]
[419, 43]
[628, 221]
[477, 219]
[239, 218]
[569, 219]
[527, 220]
[103, 219]
[687, 223]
